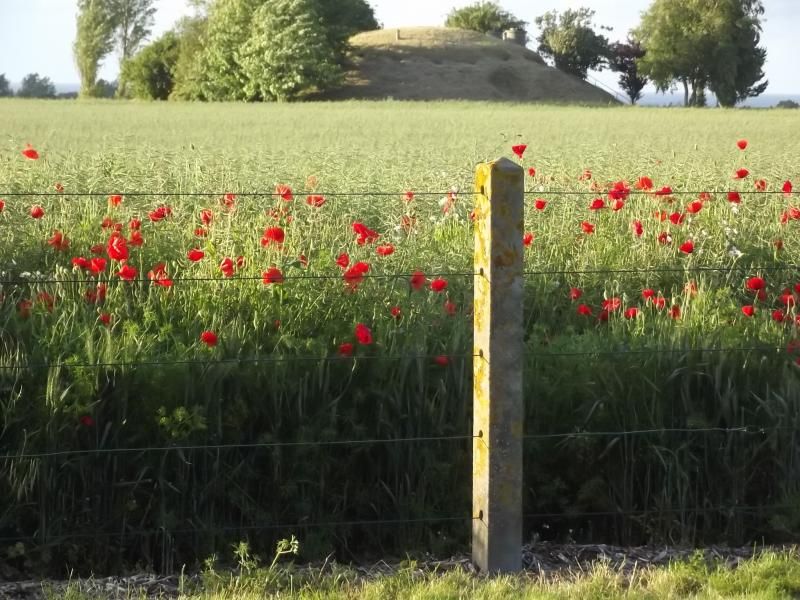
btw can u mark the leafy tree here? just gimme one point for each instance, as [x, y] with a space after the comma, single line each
[35, 86]
[570, 41]
[288, 53]
[787, 104]
[343, 19]
[133, 22]
[483, 17]
[702, 44]
[150, 75]
[93, 41]
[188, 72]
[5, 87]
[623, 58]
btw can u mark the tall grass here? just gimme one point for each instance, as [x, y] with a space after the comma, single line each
[647, 373]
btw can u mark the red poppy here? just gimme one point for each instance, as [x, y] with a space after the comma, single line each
[612, 304]
[617, 205]
[160, 213]
[408, 223]
[206, 216]
[644, 183]
[690, 288]
[228, 201]
[531, 172]
[97, 249]
[2, 205]
[619, 191]
[37, 212]
[30, 153]
[787, 188]
[664, 191]
[86, 421]
[675, 311]
[346, 349]
[586, 175]
[364, 234]
[575, 293]
[677, 218]
[285, 192]
[273, 275]
[761, 295]
[385, 250]
[519, 150]
[603, 316]
[787, 298]
[704, 197]
[158, 275]
[418, 280]
[597, 204]
[105, 319]
[687, 247]
[638, 228]
[58, 241]
[631, 313]
[648, 294]
[47, 300]
[694, 207]
[664, 238]
[363, 334]
[396, 312]
[660, 302]
[355, 274]
[450, 308]
[778, 315]
[195, 254]
[117, 247]
[527, 239]
[114, 200]
[127, 273]
[59, 187]
[315, 201]
[755, 284]
[587, 227]
[136, 238]
[209, 338]
[343, 260]
[748, 310]
[439, 285]
[80, 262]
[303, 259]
[540, 204]
[584, 310]
[97, 265]
[734, 197]
[226, 266]
[408, 196]
[778, 244]
[742, 144]
[761, 185]
[741, 173]
[24, 308]
[661, 215]
[272, 235]
[441, 360]
[135, 224]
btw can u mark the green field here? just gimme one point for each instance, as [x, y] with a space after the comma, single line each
[582, 373]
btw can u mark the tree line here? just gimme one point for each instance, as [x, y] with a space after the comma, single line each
[694, 44]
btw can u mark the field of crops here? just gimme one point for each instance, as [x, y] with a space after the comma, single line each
[319, 289]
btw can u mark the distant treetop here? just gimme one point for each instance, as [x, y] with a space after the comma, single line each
[484, 17]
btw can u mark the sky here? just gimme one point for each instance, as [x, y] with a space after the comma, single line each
[37, 35]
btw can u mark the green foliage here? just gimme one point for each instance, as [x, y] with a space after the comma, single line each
[571, 42]
[34, 86]
[344, 18]
[5, 87]
[704, 45]
[483, 17]
[624, 59]
[133, 22]
[188, 70]
[94, 39]
[787, 104]
[150, 75]
[288, 53]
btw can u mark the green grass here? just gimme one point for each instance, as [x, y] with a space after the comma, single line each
[771, 575]
[166, 508]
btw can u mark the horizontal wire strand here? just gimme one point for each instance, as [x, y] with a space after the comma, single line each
[698, 269]
[646, 351]
[640, 512]
[746, 430]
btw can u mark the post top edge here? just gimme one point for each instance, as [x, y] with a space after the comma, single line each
[502, 164]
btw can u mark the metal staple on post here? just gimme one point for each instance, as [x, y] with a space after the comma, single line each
[497, 375]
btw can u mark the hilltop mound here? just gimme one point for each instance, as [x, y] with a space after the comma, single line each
[434, 63]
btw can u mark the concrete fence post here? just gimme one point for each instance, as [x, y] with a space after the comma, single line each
[497, 371]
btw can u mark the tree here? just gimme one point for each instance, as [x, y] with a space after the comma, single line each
[288, 53]
[94, 40]
[150, 75]
[702, 44]
[570, 41]
[188, 72]
[133, 22]
[483, 17]
[787, 104]
[624, 59]
[343, 19]
[5, 87]
[34, 86]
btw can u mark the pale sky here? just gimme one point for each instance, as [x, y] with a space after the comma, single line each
[37, 35]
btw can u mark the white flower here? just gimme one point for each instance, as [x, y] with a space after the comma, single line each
[734, 252]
